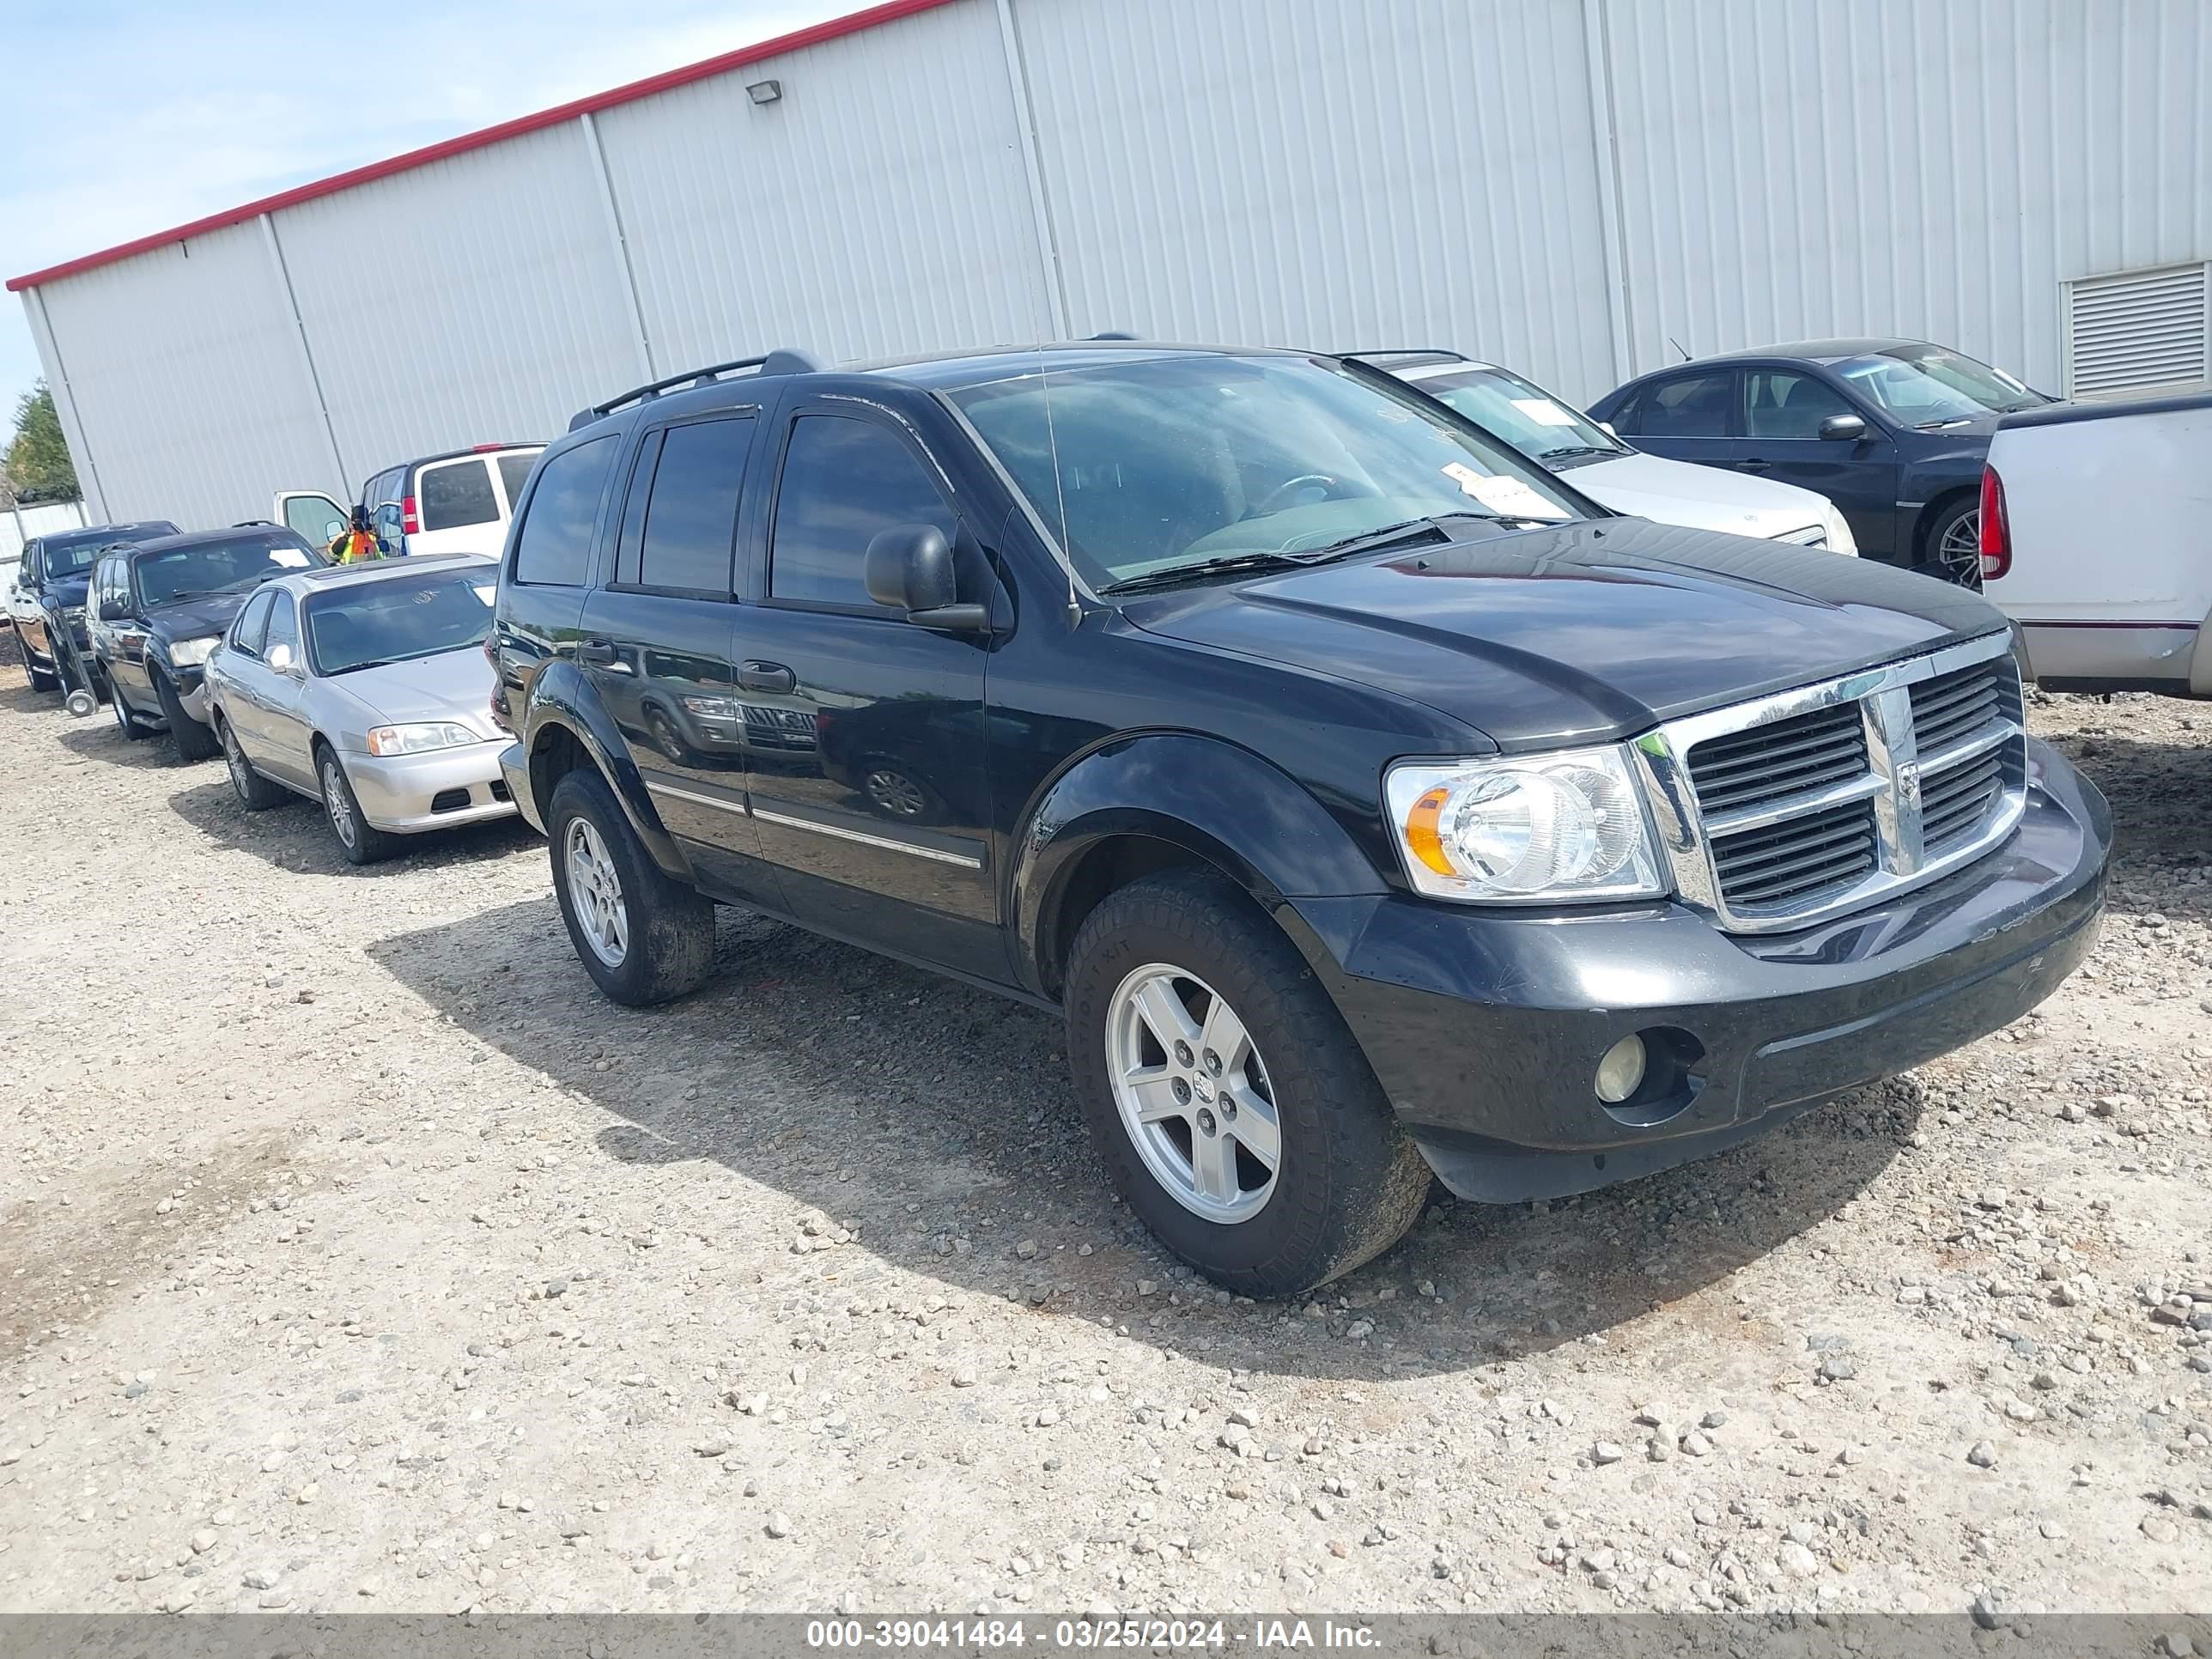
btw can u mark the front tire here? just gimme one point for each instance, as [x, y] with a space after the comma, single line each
[1237, 1113]
[126, 721]
[642, 938]
[361, 841]
[41, 679]
[255, 792]
[194, 741]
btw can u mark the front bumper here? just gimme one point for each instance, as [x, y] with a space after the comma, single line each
[191, 688]
[1485, 1030]
[401, 792]
[514, 769]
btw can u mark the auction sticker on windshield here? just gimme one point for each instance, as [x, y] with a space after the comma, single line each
[1507, 496]
[1543, 411]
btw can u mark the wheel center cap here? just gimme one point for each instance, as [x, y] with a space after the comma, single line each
[1202, 1087]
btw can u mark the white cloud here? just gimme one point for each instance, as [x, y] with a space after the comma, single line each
[143, 117]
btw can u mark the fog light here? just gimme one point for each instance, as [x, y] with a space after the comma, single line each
[1620, 1073]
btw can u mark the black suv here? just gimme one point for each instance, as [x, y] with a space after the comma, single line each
[159, 610]
[1371, 804]
[56, 569]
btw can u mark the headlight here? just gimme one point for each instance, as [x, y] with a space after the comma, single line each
[1839, 534]
[72, 613]
[414, 739]
[712, 708]
[1537, 828]
[190, 654]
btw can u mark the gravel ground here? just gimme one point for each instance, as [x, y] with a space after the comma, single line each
[357, 1254]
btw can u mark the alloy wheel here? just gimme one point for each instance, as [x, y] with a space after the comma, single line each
[1960, 552]
[335, 802]
[894, 794]
[1193, 1093]
[595, 893]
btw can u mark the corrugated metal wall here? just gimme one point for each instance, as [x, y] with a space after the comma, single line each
[463, 302]
[1899, 166]
[184, 372]
[879, 207]
[1339, 174]
[1563, 184]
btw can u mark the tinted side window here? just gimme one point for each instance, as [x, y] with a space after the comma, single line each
[245, 634]
[844, 482]
[1691, 406]
[633, 519]
[555, 546]
[514, 472]
[455, 494]
[284, 625]
[692, 519]
[1786, 405]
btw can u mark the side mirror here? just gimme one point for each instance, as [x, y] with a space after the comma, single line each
[1843, 429]
[280, 658]
[333, 530]
[1605, 427]
[115, 611]
[910, 567]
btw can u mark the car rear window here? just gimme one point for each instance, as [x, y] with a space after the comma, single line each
[455, 494]
[554, 547]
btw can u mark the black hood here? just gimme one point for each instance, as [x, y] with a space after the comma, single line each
[196, 618]
[62, 591]
[1582, 633]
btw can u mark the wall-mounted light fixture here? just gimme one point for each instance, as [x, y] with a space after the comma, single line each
[764, 92]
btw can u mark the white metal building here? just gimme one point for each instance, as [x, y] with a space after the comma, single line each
[1565, 186]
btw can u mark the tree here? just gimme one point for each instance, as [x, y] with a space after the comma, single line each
[38, 466]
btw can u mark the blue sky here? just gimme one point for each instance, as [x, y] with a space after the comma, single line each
[126, 120]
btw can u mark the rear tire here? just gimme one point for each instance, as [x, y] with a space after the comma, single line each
[361, 841]
[642, 937]
[194, 741]
[1346, 1180]
[1951, 551]
[255, 792]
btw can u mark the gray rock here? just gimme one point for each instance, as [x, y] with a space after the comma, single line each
[1982, 1454]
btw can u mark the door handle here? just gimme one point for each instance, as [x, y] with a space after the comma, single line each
[1753, 465]
[766, 676]
[600, 653]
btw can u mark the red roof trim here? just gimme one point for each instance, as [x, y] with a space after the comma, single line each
[891, 11]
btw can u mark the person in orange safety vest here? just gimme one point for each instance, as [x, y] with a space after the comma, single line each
[356, 543]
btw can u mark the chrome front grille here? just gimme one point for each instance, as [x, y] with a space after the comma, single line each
[1778, 812]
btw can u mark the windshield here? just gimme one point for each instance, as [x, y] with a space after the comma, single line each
[73, 557]
[1524, 415]
[1927, 386]
[1149, 465]
[398, 618]
[227, 567]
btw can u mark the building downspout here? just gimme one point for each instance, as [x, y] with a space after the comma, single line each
[306, 353]
[1017, 85]
[1597, 52]
[80, 447]
[613, 209]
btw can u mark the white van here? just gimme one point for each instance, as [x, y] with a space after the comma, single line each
[2097, 539]
[458, 503]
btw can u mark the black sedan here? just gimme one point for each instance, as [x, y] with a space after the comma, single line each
[1892, 431]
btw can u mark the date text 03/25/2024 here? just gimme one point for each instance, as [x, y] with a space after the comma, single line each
[1084, 1634]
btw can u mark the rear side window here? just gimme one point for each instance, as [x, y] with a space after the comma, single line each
[692, 516]
[455, 494]
[845, 482]
[555, 546]
[246, 635]
[514, 472]
[1693, 406]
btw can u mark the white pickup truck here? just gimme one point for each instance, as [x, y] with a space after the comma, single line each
[2097, 539]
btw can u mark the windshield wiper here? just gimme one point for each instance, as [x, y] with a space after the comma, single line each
[1221, 567]
[1569, 451]
[1407, 530]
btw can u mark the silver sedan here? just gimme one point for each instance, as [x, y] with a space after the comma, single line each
[365, 687]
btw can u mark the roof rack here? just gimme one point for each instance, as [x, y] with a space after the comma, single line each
[782, 361]
[1115, 334]
[1444, 352]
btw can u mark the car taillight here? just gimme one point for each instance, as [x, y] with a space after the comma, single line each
[1996, 529]
[408, 523]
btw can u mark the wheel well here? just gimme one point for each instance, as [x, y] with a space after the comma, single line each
[554, 755]
[1938, 508]
[1111, 864]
